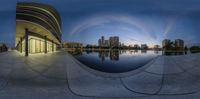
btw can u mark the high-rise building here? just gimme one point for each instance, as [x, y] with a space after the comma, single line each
[165, 42]
[179, 43]
[99, 43]
[144, 46]
[102, 40]
[114, 41]
[107, 44]
[136, 46]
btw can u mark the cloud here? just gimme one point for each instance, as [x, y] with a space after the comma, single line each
[129, 24]
[173, 21]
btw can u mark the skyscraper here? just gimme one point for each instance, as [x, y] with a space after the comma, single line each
[99, 43]
[179, 43]
[165, 43]
[107, 43]
[144, 46]
[102, 40]
[114, 41]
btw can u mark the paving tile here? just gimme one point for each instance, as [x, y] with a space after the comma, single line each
[183, 83]
[58, 76]
[144, 83]
[84, 83]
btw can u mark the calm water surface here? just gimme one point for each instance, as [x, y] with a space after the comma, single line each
[117, 61]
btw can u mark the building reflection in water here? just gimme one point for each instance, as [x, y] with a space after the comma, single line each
[156, 51]
[88, 51]
[75, 52]
[173, 53]
[103, 54]
[143, 51]
[135, 51]
[113, 55]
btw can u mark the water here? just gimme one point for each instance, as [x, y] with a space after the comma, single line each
[116, 61]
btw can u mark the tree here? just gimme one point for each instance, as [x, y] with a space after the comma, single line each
[186, 48]
[195, 49]
[169, 46]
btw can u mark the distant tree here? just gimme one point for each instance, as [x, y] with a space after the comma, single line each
[186, 48]
[169, 46]
[195, 49]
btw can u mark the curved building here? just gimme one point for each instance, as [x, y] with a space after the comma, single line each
[38, 28]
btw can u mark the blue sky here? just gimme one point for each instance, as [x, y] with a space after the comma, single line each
[134, 21]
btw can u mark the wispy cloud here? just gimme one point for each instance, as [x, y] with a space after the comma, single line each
[129, 21]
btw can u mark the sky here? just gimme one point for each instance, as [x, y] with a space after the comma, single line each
[134, 21]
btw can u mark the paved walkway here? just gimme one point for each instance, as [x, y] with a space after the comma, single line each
[60, 76]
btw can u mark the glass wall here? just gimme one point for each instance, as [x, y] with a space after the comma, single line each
[23, 46]
[37, 45]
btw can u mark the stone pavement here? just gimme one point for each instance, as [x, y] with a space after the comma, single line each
[60, 76]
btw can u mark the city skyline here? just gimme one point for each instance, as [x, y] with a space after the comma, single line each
[106, 42]
[150, 24]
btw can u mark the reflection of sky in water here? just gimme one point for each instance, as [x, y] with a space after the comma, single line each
[116, 61]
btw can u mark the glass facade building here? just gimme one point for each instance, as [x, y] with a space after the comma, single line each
[38, 28]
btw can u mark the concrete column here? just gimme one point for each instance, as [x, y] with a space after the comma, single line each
[45, 44]
[26, 41]
[52, 46]
[21, 44]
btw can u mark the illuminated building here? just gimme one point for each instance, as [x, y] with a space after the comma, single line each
[38, 28]
[101, 41]
[179, 43]
[114, 41]
[72, 45]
